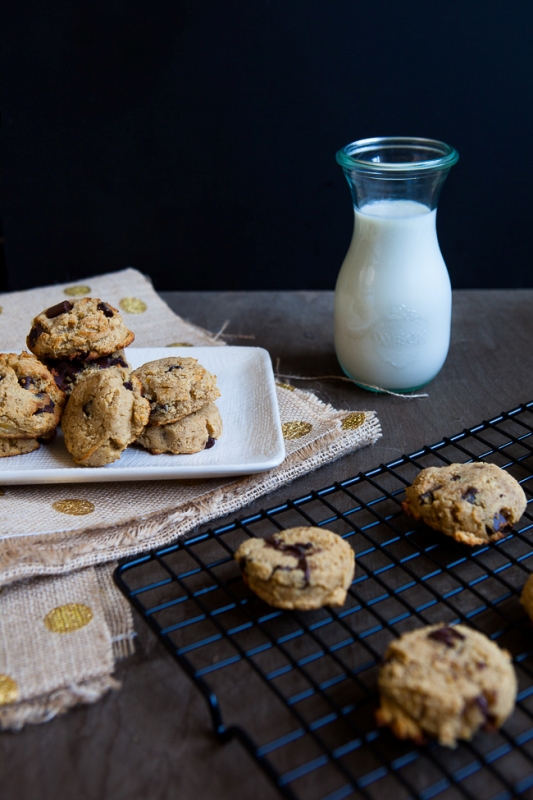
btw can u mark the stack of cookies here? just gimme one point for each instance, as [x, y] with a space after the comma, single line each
[183, 415]
[81, 344]
[79, 374]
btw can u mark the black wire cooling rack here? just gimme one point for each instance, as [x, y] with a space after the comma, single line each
[312, 675]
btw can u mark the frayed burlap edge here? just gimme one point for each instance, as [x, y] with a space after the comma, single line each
[57, 554]
[117, 613]
[42, 709]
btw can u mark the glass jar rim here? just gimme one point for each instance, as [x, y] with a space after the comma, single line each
[439, 155]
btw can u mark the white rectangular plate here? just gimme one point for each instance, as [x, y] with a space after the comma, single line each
[251, 439]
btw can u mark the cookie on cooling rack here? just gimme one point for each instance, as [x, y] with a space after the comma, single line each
[87, 329]
[446, 682]
[301, 568]
[526, 598]
[474, 503]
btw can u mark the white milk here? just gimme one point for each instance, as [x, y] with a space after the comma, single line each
[393, 298]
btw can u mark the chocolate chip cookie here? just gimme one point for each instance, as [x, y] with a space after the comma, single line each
[17, 447]
[447, 682]
[301, 568]
[68, 371]
[176, 387]
[104, 414]
[474, 503]
[195, 432]
[526, 598]
[86, 329]
[30, 402]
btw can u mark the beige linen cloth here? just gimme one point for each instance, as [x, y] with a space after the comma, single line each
[63, 623]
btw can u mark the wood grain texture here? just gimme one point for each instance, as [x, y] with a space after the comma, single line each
[152, 740]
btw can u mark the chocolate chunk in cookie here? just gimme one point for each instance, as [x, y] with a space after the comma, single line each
[60, 308]
[68, 371]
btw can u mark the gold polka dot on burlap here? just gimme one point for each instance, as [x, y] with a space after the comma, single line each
[77, 508]
[296, 429]
[286, 386]
[9, 690]
[68, 618]
[78, 290]
[353, 421]
[132, 305]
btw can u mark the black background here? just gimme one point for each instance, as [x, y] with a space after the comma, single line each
[195, 140]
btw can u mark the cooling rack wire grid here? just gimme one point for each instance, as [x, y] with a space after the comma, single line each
[312, 675]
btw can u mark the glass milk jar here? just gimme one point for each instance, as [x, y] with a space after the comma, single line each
[393, 296]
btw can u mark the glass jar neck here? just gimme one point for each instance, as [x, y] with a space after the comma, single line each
[396, 168]
[423, 189]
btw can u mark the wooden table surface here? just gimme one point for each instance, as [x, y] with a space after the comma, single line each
[152, 739]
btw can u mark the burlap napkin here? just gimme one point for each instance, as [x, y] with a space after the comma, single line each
[62, 621]
[56, 647]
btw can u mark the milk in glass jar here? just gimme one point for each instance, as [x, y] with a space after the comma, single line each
[393, 293]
